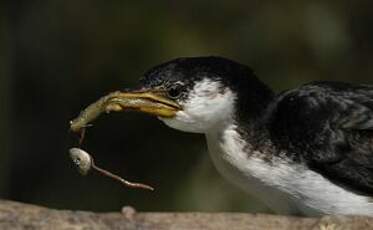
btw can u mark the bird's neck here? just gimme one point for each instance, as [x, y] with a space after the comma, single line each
[248, 118]
[235, 135]
[245, 132]
[251, 115]
[246, 126]
[251, 105]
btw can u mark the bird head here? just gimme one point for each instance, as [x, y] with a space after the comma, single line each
[201, 94]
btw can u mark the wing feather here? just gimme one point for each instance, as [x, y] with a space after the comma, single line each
[329, 127]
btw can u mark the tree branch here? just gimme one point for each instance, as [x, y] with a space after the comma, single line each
[14, 215]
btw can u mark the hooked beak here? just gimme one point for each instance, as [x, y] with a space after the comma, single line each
[148, 101]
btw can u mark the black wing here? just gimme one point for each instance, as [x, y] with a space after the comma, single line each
[329, 126]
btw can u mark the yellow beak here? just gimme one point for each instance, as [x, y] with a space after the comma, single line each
[151, 102]
[145, 101]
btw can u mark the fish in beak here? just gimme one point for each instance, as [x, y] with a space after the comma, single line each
[154, 102]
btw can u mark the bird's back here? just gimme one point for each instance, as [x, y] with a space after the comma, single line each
[329, 127]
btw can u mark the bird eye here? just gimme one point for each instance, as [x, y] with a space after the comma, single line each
[174, 91]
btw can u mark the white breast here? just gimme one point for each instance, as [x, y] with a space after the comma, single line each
[286, 187]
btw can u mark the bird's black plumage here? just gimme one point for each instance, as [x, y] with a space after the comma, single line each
[328, 126]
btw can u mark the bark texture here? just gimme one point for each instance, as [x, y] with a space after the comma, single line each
[14, 215]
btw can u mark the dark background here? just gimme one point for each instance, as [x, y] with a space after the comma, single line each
[58, 56]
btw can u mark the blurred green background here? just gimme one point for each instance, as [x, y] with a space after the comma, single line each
[58, 56]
